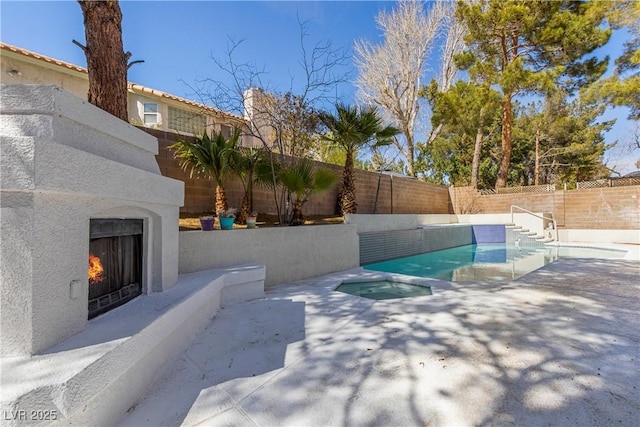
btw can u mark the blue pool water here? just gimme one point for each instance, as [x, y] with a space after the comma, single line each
[494, 262]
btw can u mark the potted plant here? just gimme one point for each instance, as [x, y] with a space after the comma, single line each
[206, 222]
[227, 218]
[251, 219]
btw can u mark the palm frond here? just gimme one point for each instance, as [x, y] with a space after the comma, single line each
[301, 179]
[352, 128]
[211, 156]
[324, 180]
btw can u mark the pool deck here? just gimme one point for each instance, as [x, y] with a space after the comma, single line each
[559, 346]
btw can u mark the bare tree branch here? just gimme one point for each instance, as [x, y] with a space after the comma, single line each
[283, 122]
[391, 73]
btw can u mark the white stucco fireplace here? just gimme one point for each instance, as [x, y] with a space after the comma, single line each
[65, 165]
[89, 229]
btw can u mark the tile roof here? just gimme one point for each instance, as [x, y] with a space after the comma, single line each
[131, 86]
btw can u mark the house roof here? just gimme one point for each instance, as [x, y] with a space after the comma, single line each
[135, 87]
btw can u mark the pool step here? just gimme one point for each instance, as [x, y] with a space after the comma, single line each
[520, 236]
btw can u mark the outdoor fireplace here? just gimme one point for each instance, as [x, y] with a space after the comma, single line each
[115, 263]
[99, 191]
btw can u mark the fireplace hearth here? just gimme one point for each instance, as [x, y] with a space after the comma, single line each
[115, 263]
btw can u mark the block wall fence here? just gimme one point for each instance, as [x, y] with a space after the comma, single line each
[607, 208]
[596, 208]
[394, 194]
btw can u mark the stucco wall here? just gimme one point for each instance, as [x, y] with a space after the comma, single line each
[288, 253]
[24, 70]
[64, 162]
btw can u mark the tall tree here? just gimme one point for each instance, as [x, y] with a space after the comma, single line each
[561, 140]
[524, 46]
[622, 88]
[351, 129]
[106, 59]
[390, 74]
[292, 121]
[467, 110]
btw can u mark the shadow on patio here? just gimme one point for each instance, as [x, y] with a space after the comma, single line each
[559, 346]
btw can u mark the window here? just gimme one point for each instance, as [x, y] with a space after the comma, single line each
[186, 121]
[225, 131]
[150, 114]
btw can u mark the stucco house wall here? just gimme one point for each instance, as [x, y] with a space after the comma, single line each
[20, 66]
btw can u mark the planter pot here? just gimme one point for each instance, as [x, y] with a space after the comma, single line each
[206, 224]
[251, 221]
[226, 223]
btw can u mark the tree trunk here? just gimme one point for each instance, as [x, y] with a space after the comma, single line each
[244, 210]
[410, 154]
[221, 199]
[296, 217]
[106, 60]
[475, 165]
[507, 122]
[536, 173]
[348, 203]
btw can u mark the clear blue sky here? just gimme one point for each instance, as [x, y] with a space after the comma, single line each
[177, 39]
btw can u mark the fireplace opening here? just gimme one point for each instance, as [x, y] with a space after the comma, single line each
[115, 263]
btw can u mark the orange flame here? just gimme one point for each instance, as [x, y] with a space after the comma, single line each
[95, 269]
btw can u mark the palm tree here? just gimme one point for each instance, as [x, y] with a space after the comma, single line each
[213, 157]
[249, 166]
[351, 129]
[301, 180]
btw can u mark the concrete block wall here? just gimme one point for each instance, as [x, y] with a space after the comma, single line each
[394, 194]
[603, 208]
[608, 208]
[613, 208]
[200, 194]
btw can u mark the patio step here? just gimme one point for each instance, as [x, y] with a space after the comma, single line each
[94, 377]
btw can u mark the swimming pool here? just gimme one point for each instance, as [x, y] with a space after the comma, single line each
[494, 262]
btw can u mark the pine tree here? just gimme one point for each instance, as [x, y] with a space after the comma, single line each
[524, 46]
[106, 60]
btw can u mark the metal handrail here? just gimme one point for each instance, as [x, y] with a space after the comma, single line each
[552, 219]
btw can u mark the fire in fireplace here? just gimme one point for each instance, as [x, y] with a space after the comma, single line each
[115, 263]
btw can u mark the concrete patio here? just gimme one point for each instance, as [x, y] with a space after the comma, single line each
[560, 346]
